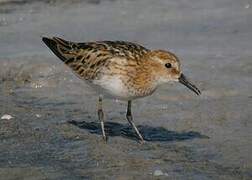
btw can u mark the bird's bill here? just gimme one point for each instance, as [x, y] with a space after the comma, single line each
[184, 81]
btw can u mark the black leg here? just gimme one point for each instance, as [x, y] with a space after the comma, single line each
[101, 118]
[130, 120]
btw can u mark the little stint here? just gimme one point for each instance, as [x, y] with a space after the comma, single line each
[119, 69]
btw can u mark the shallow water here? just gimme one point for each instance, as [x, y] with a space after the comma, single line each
[54, 132]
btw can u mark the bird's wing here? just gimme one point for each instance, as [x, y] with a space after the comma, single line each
[87, 59]
[122, 48]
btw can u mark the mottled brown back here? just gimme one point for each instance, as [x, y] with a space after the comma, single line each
[87, 59]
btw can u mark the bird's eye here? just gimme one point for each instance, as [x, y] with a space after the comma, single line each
[168, 65]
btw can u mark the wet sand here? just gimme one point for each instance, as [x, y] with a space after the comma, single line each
[54, 130]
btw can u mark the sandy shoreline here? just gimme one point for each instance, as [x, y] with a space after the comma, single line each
[201, 138]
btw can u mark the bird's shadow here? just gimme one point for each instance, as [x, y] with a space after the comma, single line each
[148, 133]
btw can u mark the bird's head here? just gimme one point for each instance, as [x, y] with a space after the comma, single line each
[166, 68]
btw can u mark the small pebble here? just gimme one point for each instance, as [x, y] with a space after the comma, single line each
[159, 173]
[6, 116]
[38, 115]
[247, 6]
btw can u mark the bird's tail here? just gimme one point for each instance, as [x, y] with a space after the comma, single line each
[61, 48]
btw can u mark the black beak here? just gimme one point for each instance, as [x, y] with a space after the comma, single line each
[183, 80]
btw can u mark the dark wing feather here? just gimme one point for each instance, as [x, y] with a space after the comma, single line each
[86, 59]
[122, 48]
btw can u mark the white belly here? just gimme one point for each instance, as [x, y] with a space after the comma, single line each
[112, 87]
